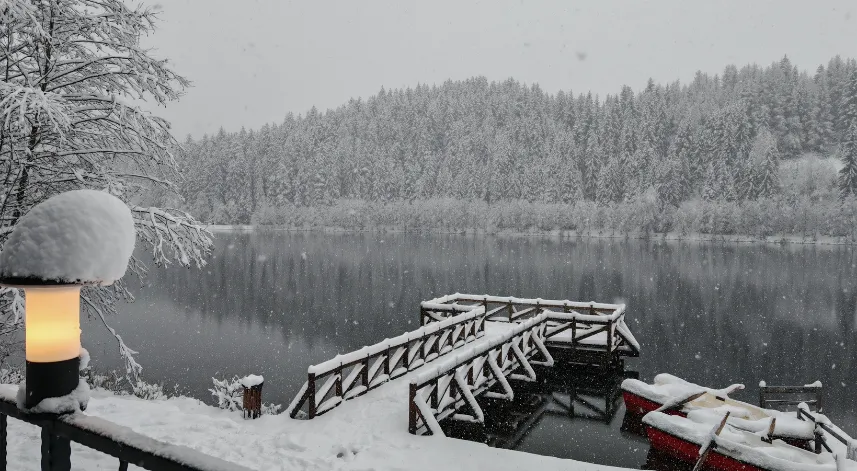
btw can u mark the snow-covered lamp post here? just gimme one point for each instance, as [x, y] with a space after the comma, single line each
[77, 238]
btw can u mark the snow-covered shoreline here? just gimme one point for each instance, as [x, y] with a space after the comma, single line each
[566, 234]
[370, 433]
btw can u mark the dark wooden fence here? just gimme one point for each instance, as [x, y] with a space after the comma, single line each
[127, 446]
[351, 375]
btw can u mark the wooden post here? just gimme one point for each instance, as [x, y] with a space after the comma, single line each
[610, 327]
[338, 383]
[412, 409]
[422, 316]
[405, 362]
[364, 373]
[313, 407]
[253, 401]
[817, 441]
[434, 395]
[509, 310]
[573, 334]
[387, 361]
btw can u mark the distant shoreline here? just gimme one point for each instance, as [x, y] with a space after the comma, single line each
[564, 234]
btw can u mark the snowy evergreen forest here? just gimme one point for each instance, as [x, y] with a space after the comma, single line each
[755, 150]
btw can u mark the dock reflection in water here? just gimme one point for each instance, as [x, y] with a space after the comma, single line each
[571, 412]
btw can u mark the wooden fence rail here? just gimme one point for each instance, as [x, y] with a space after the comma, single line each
[441, 391]
[803, 413]
[598, 329]
[129, 447]
[353, 374]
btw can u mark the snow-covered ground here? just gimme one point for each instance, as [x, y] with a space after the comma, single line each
[366, 433]
[369, 433]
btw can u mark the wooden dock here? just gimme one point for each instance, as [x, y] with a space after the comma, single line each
[470, 346]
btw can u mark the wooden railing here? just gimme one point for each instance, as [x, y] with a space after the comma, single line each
[787, 397]
[127, 446]
[353, 374]
[445, 388]
[591, 326]
[803, 413]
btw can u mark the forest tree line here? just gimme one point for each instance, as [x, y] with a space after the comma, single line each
[720, 139]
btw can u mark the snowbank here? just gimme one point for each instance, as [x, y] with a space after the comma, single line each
[77, 236]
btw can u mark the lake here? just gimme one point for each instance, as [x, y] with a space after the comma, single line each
[272, 303]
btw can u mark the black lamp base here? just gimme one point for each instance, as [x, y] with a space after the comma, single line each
[54, 379]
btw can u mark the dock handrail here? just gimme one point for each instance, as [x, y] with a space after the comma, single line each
[353, 374]
[584, 319]
[487, 364]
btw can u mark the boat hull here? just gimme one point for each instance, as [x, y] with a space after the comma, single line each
[639, 406]
[689, 452]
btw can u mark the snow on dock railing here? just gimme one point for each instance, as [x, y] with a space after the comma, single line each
[515, 308]
[440, 391]
[547, 303]
[353, 374]
[598, 327]
[128, 446]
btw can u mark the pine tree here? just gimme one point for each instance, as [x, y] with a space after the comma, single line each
[848, 153]
[766, 179]
[848, 108]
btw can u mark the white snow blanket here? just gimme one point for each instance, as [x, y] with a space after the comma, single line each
[367, 433]
[77, 236]
[743, 445]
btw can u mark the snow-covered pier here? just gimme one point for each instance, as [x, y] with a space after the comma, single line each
[469, 346]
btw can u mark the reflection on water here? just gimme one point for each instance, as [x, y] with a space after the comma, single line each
[714, 314]
[571, 412]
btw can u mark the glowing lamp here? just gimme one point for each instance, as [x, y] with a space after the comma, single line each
[51, 337]
[52, 323]
[74, 239]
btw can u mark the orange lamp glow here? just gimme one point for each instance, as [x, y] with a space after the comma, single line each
[52, 323]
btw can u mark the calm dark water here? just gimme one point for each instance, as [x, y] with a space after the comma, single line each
[716, 314]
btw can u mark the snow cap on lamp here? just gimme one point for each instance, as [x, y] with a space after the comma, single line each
[77, 237]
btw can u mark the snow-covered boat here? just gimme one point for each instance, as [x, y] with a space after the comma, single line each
[743, 444]
[674, 396]
[642, 398]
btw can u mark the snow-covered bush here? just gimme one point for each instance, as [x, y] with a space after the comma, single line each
[271, 409]
[229, 394]
[149, 391]
[111, 381]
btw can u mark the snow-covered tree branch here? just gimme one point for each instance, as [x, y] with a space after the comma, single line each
[72, 77]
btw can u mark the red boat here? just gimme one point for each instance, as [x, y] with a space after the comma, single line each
[675, 396]
[642, 398]
[734, 449]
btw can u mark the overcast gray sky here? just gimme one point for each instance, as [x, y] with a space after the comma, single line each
[255, 60]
